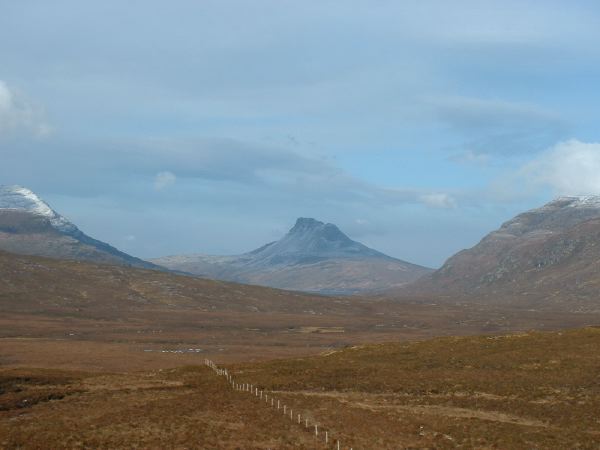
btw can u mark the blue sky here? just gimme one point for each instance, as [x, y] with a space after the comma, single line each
[185, 126]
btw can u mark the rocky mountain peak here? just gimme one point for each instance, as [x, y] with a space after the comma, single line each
[306, 223]
[312, 256]
[312, 229]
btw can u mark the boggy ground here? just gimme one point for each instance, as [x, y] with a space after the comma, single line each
[530, 390]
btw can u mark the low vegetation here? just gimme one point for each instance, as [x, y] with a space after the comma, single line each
[529, 390]
[532, 390]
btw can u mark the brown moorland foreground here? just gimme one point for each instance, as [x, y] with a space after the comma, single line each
[530, 390]
[96, 356]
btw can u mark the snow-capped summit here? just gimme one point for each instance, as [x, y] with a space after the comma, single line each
[582, 201]
[556, 215]
[28, 225]
[22, 199]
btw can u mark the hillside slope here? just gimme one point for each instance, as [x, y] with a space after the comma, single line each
[36, 284]
[548, 256]
[30, 227]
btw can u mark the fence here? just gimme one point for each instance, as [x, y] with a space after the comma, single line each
[269, 399]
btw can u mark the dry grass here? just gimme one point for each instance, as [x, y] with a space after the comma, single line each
[179, 408]
[534, 390]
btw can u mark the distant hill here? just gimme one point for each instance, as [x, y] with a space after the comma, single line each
[29, 226]
[39, 285]
[549, 256]
[313, 256]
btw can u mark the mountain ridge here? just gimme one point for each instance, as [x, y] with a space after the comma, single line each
[303, 259]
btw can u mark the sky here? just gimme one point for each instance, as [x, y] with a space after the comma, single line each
[181, 127]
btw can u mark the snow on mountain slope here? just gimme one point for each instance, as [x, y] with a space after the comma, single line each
[22, 199]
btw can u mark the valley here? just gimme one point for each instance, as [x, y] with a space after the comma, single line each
[327, 225]
[55, 309]
[106, 355]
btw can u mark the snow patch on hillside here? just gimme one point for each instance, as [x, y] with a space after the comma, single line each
[22, 199]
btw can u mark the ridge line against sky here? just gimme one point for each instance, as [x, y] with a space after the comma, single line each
[416, 127]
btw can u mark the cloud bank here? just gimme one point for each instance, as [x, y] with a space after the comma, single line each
[568, 168]
[18, 114]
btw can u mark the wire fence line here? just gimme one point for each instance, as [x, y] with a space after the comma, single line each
[268, 398]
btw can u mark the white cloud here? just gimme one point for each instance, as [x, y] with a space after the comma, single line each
[19, 114]
[569, 168]
[438, 200]
[164, 180]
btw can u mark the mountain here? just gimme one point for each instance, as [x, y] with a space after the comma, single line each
[313, 256]
[543, 257]
[29, 226]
